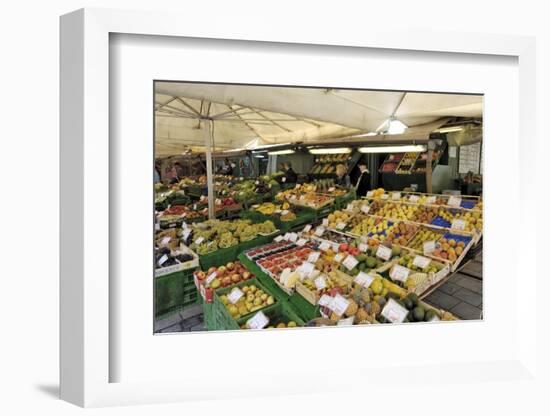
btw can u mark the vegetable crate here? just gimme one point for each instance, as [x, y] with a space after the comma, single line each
[174, 291]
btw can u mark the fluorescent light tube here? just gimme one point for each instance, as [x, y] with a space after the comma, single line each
[450, 129]
[330, 151]
[393, 149]
[281, 152]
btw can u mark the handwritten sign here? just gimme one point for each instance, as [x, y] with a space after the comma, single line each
[458, 225]
[429, 247]
[363, 279]
[370, 194]
[210, 278]
[339, 304]
[319, 231]
[199, 240]
[350, 262]
[365, 209]
[325, 222]
[454, 201]
[341, 225]
[301, 242]
[399, 273]
[421, 262]
[325, 300]
[338, 258]
[324, 246]
[278, 239]
[383, 252]
[414, 198]
[396, 196]
[235, 295]
[320, 282]
[307, 228]
[394, 312]
[162, 260]
[186, 233]
[293, 237]
[363, 247]
[313, 257]
[430, 200]
[258, 321]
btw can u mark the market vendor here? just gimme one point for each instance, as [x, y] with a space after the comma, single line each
[363, 181]
[342, 178]
[291, 176]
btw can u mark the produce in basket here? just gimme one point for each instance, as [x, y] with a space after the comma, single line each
[223, 276]
[253, 299]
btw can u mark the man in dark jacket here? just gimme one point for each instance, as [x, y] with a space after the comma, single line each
[291, 176]
[363, 182]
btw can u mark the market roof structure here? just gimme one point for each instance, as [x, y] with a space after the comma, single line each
[245, 116]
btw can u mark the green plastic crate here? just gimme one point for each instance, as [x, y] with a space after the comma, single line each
[264, 279]
[174, 291]
[342, 202]
[275, 312]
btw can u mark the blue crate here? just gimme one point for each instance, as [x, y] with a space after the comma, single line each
[440, 222]
[467, 204]
[457, 237]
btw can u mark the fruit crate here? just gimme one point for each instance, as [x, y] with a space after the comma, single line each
[264, 279]
[313, 296]
[341, 202]
[222, 318]
[277, 311]
[188, 265]
[174, 291]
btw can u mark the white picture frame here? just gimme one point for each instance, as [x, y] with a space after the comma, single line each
[86, 334]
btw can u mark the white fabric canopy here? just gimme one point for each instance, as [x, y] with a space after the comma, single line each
[248, 116]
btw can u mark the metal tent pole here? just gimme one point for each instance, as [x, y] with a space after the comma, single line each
[209, 173]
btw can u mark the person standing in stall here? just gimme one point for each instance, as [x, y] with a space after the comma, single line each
[363, 182]
[291, 176]
[342, 178]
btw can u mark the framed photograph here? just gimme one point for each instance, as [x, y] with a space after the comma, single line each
[279, 214]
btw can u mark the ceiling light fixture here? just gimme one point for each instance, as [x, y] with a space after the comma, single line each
[281, 152]
[450, 129]
[330, 151]
[394, 149]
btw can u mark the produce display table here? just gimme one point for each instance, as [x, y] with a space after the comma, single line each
[303, 216]
[174, 291]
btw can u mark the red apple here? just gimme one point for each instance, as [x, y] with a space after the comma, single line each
[226, 281]
[211, 270]
[230, 266]
[201, 275]
[246, 275]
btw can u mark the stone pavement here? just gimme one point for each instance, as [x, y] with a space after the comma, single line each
[186, 320]
[462, 294]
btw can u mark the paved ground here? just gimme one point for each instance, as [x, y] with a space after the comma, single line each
[462, 294]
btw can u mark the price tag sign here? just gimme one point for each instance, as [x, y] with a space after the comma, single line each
[370, 194]
[183, 224]
[325, 222]
[157, 226]
[363, 279]
[458, 225]
[325, 300]
[396, 196]
[293, 237]
[365, 209]
[399, 273]
[258, 321]
[235, 295]
[307, 228]
[454, 201]
[335, 247]
[325, 245]
[186, 233]
[319, 231]
[210, 277]
[363, 247]
[339, 304]
[301, 242]
[384, 196]
[306, 268]
[383, 252]
[320, 282]
[199, 240]
[429, 247]
[349, 207]
[297, 186]
[278, 239]
[414, 198]
[313, 257]
[165, 241]
[394, 312]
[338, 258]
[430, 200]
[421, 262]
[286, 236]
[350, 262]
[162, 260]
[284, 212]
[341, 225]
[331, 189]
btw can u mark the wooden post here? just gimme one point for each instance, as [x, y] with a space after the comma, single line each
[209, 167]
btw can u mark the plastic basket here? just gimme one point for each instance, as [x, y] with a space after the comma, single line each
[277, 312]
[174, 291]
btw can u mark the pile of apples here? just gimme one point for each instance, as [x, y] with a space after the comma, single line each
[230, 274]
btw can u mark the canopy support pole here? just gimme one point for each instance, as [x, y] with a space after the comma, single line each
[429, 168]
[209, 173]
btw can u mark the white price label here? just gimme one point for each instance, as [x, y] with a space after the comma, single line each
[458, 225]
[313, 257]
[277, 211]
[183, 224]
[306, 268]
[319, 231]
[454, 201]
[383, 252]
[162, 260]
[286, 237]
[186, 233]
[210, 277]
[331, 189]
[363, 279]
[339, 304]
[414, 198]
[258, 321]
[235, 295]
[350, 262]
[297, 186]
[384, 196]
[293, 237]
[338, 258]
[349, 207]
[165, 241]
[428, 247]
[325, 222]
[157, 226]
[341, 225]
[335, 247]
[324, 246]
[283, 179]
[421, 262]
[396, 196]
[199, 240]
[307, 228]
[365, 209]
[370, 194]
[394, 312]
[278, 239]
[284, 212]
[301, 242]
[399, 273]
[430, 200]
[325, 300]
[363, 247]
[320, 283]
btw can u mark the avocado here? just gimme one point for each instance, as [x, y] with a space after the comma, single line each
[418, 313]
[414, 298]
[361, 258]
[371, 262]
[430, 314]
[408, 303]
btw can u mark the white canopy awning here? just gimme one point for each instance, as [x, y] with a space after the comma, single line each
[248, 116]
